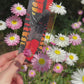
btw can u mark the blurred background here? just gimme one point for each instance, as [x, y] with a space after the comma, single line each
[63, 23]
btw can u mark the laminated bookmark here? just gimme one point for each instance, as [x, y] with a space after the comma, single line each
[35, 26]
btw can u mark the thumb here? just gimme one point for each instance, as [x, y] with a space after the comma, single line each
[15, 65]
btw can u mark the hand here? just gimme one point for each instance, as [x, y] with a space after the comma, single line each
[9, 64]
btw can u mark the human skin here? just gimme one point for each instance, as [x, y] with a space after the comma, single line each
[9, 64]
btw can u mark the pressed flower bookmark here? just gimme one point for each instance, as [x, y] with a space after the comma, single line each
[35, 26]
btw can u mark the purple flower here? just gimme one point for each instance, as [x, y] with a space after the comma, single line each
[83, 20]
[18, 10]
[75, 25]
[12, 39]
[41, 62]
[53, 83]
[80, 12]
[82, 30]
[31, 73]
[46, 49]
[14, 22]
[58, 68]
[75, 39]
[79, 23]
[27, 52]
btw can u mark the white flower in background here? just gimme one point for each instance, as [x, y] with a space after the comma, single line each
[57, 8]
[57, 54]
[62, 40]
[48, 37]
[2, 25]
[71, 59]
[82, 1]
[23, 68]
[78, 77]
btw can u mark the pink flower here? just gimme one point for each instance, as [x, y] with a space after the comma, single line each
[79, 23]
[53, 43]
[75, 39]
[83, 20]
[41, 62]
[23, 68]
[27, 52]
[58, 68]
[18, 10]
[46, 49]
[12, 39]
[80, 12]
[31, 73]
[53, 83]
[82, 30]
[75, 25]
[14, 22]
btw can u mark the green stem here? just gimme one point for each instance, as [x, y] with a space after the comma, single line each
[53, 23]
[52, 27]
[79, 18]
[15, 31]
[2, 33]
[75, 31]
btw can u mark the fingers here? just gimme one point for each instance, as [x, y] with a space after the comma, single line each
[15, 65]
[7, 57]
[19, 79]
[5, 66]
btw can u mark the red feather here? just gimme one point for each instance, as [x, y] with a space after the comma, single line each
[32, 45]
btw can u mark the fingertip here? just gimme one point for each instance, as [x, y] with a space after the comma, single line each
[19, 79]
[21, 57]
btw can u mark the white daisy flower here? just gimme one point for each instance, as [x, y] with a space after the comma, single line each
[71, 58]
[2, 25]
[57, 54]
[57, 8]
[78, 77]
[62, 40]
[82, 1]
[48, 37]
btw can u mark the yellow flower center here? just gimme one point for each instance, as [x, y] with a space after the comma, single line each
[14, 22]
[71, 57]
[75, 25]
[41, 61]
[62, 38]
[53, 83]
[75, 37]
[22, 67]
[32, 73]
[80, 12]
[57, 52]
[58, 6]
[18, 8]
[47, 49]
[57, 67]
[53, 41]
[1, 24]
[12, 38]
[47, 37]
[83, 78]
